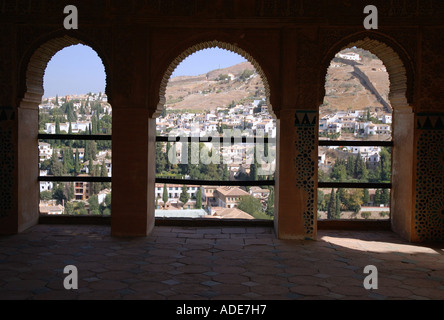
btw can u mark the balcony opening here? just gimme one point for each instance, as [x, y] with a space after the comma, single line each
[355, 139]
[75, 129]
[216, 139]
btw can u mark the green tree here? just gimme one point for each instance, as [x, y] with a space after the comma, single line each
[68, 165]
[270, 204]
[45, 195]
[331, 211]
[251, 205]
[254, 168]
[321, 201]
[354, 200]
[366, 197]
[199, 198]
[58, 194]
[96, 187]
[77, 163]
[94, 205]
[57, 126]
[378, 198]
[246, 74]
[165, 195]
[350, 166]
[69, 209]
[385, 165]
[339, 171]
[56, 167]
[338, 206]
[161, 159]
[225, 173]
[184, 196]
[104, 174]
[385, 197]
[108, 200]
[361, 172]
[94, 125]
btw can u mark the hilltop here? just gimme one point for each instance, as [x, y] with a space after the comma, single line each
[215, 88]
[357, 84]
[349, 85]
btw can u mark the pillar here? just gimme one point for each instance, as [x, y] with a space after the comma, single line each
[402, 169]
[428, 166]
[133, 172]
[296, 175]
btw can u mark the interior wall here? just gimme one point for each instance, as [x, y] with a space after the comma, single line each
[291, 47]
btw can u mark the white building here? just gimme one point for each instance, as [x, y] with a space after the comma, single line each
[386, 119]
[45, 185]
[349, 56]
[174, 191]
[45, 151]
[76, 127]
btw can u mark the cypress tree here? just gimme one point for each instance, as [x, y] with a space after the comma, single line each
[377, 200]
[165, 195]
[57, 126]
[184, 196]
[338, 206]
[270, 204]
[94, 125]
[104, 174]
[385, 197]
[350, 166]
[96, 186]
[226, 174]
[332, 205]
[77, 163]
[199, 198]
[366, 197]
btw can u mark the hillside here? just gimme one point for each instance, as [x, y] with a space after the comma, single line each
[349, 85]
[206, 92]
[356, 85]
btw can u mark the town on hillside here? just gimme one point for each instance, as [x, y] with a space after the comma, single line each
[356, 107]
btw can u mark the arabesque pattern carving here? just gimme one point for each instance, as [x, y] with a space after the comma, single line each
[429, 209]
[306, 126]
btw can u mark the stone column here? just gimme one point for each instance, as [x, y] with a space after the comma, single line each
[296, 175]
[402, 171]
[28, 169]
[133, 154]
[8, 171]
[428, 166]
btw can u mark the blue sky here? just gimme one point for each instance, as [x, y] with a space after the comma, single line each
[79, 70]
[74, 70]
[207, 60]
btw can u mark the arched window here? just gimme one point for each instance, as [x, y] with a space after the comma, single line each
[355, 139]
[75, 128]
[215, 130]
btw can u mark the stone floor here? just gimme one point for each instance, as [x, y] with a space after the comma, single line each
[183, 263]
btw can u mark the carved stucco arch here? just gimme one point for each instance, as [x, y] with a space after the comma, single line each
[395, 60]
[401, 76]
[207, 45]
[34, 68]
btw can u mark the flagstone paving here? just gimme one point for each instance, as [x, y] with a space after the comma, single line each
[219, 263]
